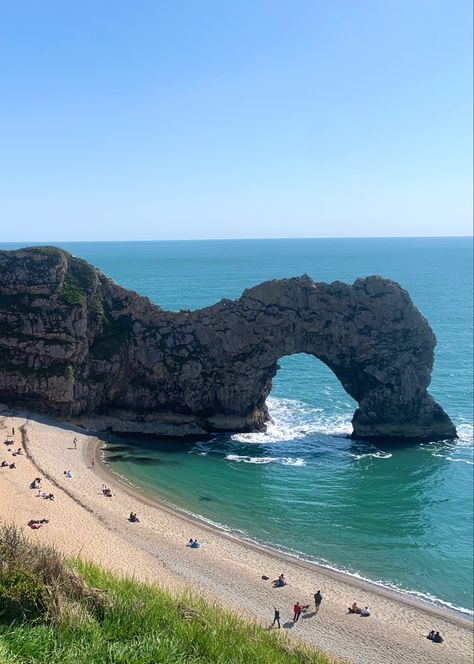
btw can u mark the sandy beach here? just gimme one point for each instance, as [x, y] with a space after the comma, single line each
[83, 522]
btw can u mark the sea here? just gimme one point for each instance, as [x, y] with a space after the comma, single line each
[400, 517]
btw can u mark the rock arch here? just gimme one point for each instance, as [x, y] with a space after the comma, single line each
[75, 344]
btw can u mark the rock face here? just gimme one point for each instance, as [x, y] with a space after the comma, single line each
[75, 345]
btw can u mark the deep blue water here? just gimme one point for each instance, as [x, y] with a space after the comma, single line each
[401, 517]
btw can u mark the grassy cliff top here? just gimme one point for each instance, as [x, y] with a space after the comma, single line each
[58, 612]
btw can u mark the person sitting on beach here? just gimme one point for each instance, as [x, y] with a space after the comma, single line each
[41, 494]
[190, 542]
[50, 496]
[13, 465]
[437, 638]
[19, 451]
[431, 635]
[34, 525]
[365, 612]
[133, 518]
[68, 474]
[195, 544]
[354, 608]
[37, 523]
[280, 582]
[4, 464]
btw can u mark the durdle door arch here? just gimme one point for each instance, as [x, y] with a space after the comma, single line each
[76, 345]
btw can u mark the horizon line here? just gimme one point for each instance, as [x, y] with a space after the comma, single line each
[253, 239]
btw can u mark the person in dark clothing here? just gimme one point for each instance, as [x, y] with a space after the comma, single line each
[276, 618]
[296, 612]
[318, 598]
[437, 638]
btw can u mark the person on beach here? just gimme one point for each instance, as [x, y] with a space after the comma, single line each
[296, 612]
[13, 431]
[75, 443]
[133, 518]
[318, 598]
[280, 582]
[195, 544]
[437, 638]
[276, 618]
[431, 634]
[365, 612]
[354, 608]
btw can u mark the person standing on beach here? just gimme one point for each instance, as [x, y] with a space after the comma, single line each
[75, 443]
[276, 618]
[318, 598]
[296, 612]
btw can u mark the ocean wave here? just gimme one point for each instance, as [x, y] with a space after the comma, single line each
[292, 420]
[285, 461]
[380, 454]
[460, 450]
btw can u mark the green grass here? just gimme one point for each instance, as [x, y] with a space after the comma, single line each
[103, 619]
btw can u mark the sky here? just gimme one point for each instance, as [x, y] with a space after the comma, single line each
[200, 119]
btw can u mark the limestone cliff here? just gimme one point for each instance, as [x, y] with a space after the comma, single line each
[76, 345]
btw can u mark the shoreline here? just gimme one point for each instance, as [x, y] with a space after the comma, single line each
[226, 569]
[148, 496]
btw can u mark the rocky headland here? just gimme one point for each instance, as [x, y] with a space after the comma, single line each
[75, 345]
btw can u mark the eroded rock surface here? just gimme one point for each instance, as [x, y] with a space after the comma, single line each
[76, 345]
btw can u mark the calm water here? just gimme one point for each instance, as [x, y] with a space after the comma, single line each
[401, 516]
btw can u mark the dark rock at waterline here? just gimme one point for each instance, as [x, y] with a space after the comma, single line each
[76, 345]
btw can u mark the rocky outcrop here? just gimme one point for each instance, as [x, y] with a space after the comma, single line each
[76, 345]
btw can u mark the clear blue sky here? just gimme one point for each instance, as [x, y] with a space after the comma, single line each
[218, 119]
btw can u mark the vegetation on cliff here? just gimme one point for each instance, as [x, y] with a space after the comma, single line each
[58, 612]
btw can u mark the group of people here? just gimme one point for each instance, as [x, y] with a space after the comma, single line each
[298, 608]
[17, 452]
[68, 474]
[193, 544]
[133, 518]
[106, 491]
[435, 637]
[356, 609]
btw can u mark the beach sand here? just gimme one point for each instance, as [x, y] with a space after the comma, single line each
[83, 522]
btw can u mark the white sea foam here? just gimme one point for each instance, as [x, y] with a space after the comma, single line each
[460, 450]
[379, 454]
[286, 461]
[293, 420]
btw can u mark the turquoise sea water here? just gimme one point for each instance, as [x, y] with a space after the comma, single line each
[401, 517]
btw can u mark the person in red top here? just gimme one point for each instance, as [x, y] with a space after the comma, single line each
[296, 611]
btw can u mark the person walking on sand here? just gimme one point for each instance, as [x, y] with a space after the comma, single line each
[75, 443]
[296, 612]
[318, 598]
[13, 431]
[276, 618]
